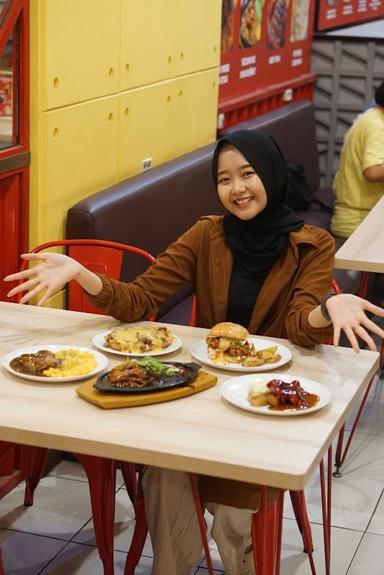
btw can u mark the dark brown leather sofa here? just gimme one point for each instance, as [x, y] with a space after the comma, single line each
[153, 209]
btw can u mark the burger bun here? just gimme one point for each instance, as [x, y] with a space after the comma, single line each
[229, 330]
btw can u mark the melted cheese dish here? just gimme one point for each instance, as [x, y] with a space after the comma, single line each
[139, 339]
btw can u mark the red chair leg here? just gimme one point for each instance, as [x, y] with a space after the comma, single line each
[138, 538]
[326, 498]
[300, 510]
[10, 472]
[266, 535]
[302, 520]
[101, 474]
[32, 464]
[1, 565]
[279, 533]
[128, 471]
[201, 520]
[363, 286]
[340, 455]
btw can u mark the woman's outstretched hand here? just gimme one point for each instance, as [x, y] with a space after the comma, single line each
[348, 313]
[51, 275]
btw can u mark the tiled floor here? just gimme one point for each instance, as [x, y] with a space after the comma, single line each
[55, 535]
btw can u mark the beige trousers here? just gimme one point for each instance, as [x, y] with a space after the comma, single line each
[174, 528]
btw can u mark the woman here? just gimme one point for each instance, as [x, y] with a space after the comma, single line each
[259, 266]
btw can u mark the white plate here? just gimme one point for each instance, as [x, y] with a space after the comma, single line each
[101, 362]
[98, 341]
[236, 391]
[200, 352]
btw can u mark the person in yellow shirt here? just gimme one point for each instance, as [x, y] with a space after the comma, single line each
[359, 181]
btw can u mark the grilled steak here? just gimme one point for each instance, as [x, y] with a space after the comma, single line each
[35, 363]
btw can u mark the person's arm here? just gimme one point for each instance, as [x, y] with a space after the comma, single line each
[374, 173]
[51, 275]
[142, 297]
[125, 301]
[306, 324]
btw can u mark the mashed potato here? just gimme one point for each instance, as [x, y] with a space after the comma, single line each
[74, 363]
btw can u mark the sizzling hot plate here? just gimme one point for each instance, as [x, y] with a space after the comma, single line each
[187, 373]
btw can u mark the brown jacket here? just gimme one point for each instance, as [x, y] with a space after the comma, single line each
[294, 286]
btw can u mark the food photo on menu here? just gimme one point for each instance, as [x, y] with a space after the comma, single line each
[276, 20]
[251, 12]
[299, 20]
[228, 25]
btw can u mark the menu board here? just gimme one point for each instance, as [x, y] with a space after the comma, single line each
[339, 13]
[263, 42]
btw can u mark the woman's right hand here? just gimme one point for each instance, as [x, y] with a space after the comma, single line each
[51, 275]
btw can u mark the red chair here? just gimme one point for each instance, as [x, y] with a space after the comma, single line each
[1, 566]
[100, 256]
[103, 257]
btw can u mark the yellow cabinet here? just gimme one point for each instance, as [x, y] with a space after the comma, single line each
[198, 35]
[194, 119]
[79, 155]
[146, 122]
[148, 41]
[79, 50]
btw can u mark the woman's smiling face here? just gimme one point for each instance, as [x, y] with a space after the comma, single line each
[240, 189]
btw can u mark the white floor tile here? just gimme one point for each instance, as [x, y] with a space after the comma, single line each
[68, 469]
[215, 557]
[61, 508]
[294, 561]
[26, 554]
[369, 556]
[83, 560]
[372, 417]
[124, 526]
[356, 493]
[377, 522]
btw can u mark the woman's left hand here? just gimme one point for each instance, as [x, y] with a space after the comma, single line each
[348, 313]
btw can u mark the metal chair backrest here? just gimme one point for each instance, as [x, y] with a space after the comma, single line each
[100, 256]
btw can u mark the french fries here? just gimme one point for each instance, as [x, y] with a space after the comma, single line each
[267, 355]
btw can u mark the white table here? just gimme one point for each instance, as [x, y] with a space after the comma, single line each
[364, 249]
[201, 433]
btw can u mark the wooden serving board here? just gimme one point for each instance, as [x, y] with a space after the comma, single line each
[115, 400]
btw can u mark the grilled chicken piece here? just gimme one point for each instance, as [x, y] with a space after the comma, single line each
[288, 393]
[35, 363]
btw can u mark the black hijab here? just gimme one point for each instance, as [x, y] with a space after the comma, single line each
[256, 244]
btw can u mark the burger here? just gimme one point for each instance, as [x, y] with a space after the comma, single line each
[227, 343]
